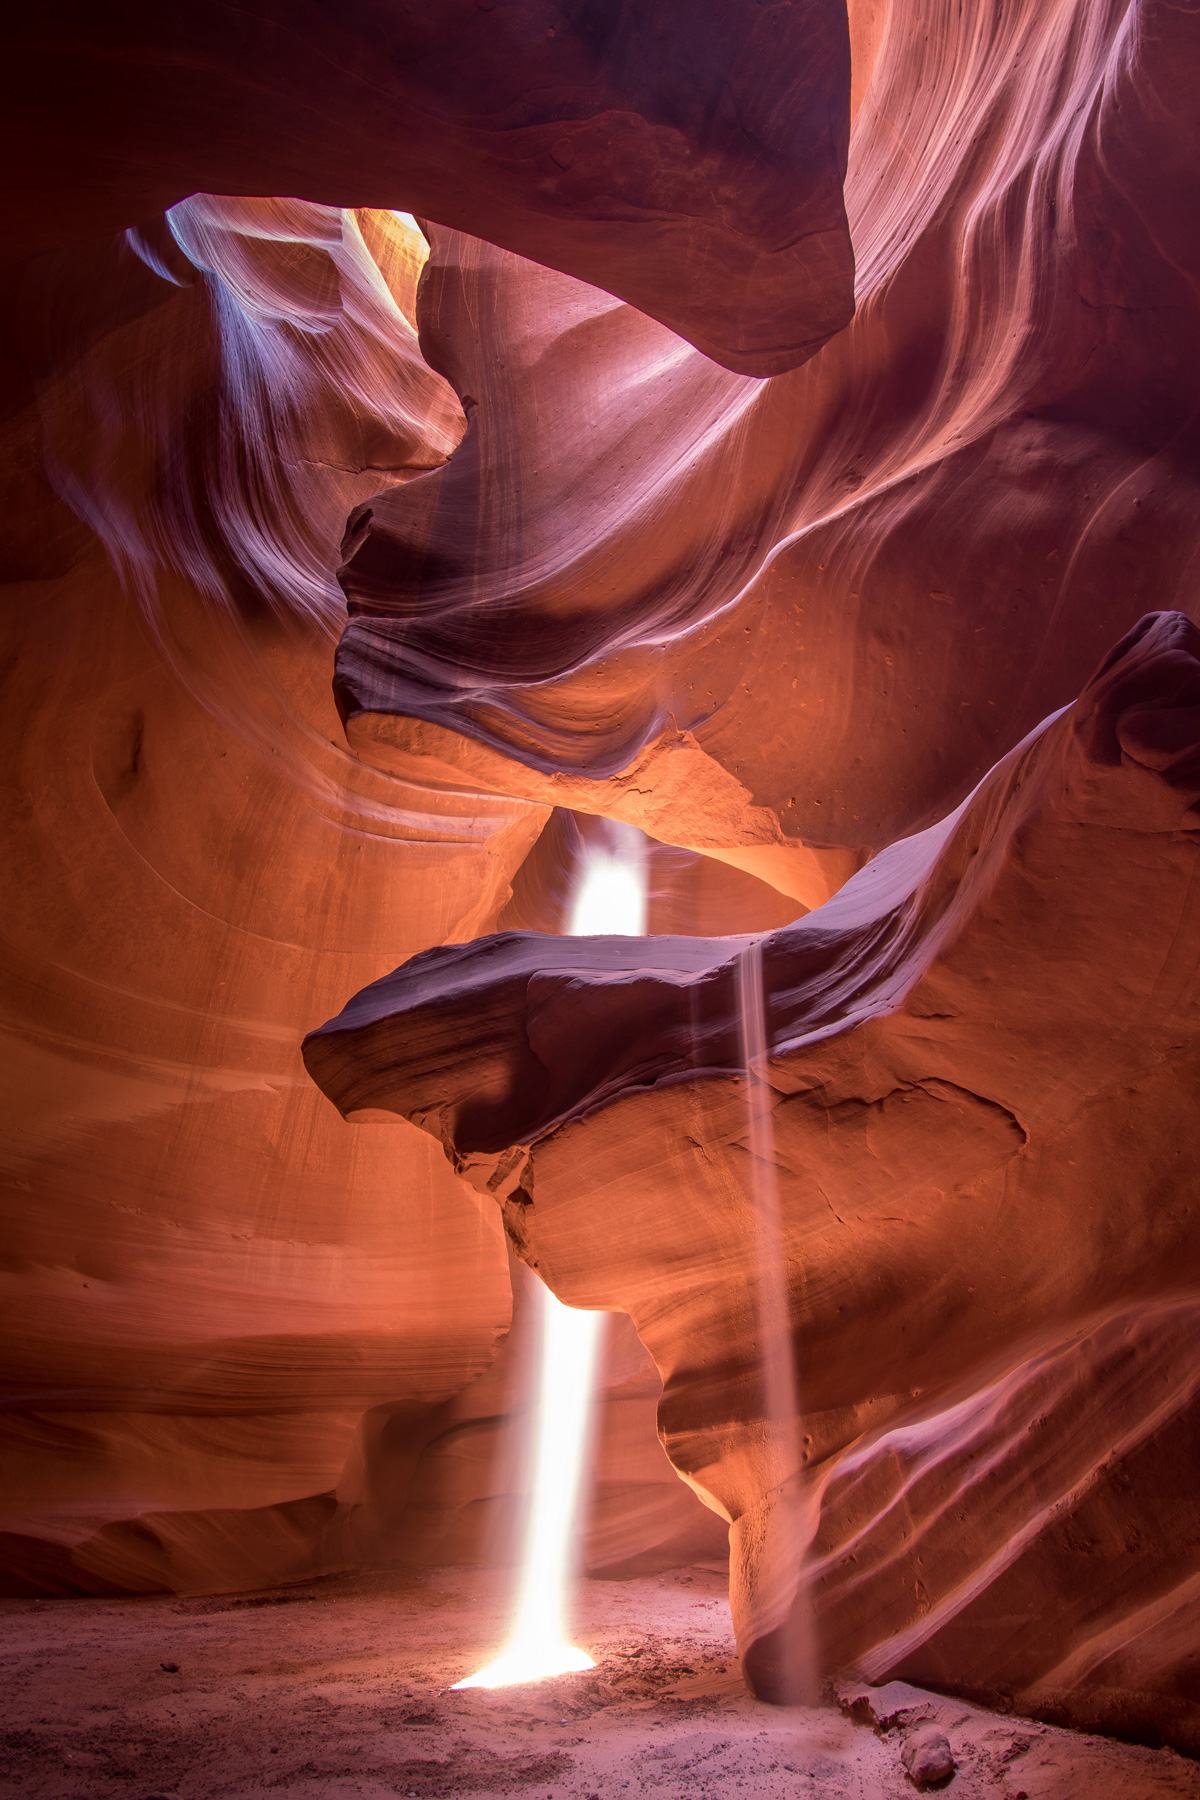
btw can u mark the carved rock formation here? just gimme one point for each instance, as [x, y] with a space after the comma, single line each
[222, 1311]
[592, 139]
[793, 620]
[206, 1289]
[578, 568]
[983, 1060]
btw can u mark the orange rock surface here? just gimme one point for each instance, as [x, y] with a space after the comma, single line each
[206, 1290]
[804, 616]
[979, 1088]
[770, 438]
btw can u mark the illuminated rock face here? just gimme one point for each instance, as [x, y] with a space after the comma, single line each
[690, 160]
[206, 1290]
[595, 568]
[806, 615]
[232, 1330]
[983, 1062]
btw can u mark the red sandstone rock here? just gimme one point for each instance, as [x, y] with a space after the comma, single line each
[689, 160]
[780, 623]
[797, 619]
[232, 1334]
[983, 1056]
[206, 1288]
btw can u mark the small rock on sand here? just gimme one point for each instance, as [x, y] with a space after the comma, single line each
[928, 1759]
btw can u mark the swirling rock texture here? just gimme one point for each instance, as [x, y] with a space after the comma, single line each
[787, 623]
[690, 161]
[791, 620]
[791, 413]
[222, 1304]
[980, 1092]
[205, 1289]
[234, 1334]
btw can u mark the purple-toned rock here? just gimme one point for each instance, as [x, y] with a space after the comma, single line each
[928, 1759]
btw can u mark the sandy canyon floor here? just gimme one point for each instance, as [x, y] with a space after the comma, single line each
[340, 1691]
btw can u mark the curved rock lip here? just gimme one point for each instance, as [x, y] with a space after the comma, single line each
[591, 140]
[496, 1043]
[980, 1142]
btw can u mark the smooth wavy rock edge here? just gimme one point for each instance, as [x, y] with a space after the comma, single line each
[983, 1060]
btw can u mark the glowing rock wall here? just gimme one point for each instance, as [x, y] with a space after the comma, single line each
[340, 604]
[984, 1054]
[206, 1289]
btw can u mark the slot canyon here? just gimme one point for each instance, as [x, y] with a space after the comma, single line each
[601, 900]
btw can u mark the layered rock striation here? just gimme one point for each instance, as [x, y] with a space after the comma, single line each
[233, 1333]
[209, 1287]
[982, 1061]
[690, 161]
[781, 590]
[793, 620]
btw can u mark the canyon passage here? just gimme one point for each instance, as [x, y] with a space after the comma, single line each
[601, 961]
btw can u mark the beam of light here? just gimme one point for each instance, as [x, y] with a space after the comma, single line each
[798, 1683]
[610, 896]
[609, 900]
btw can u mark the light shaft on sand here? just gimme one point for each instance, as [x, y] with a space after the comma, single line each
[610, 900]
